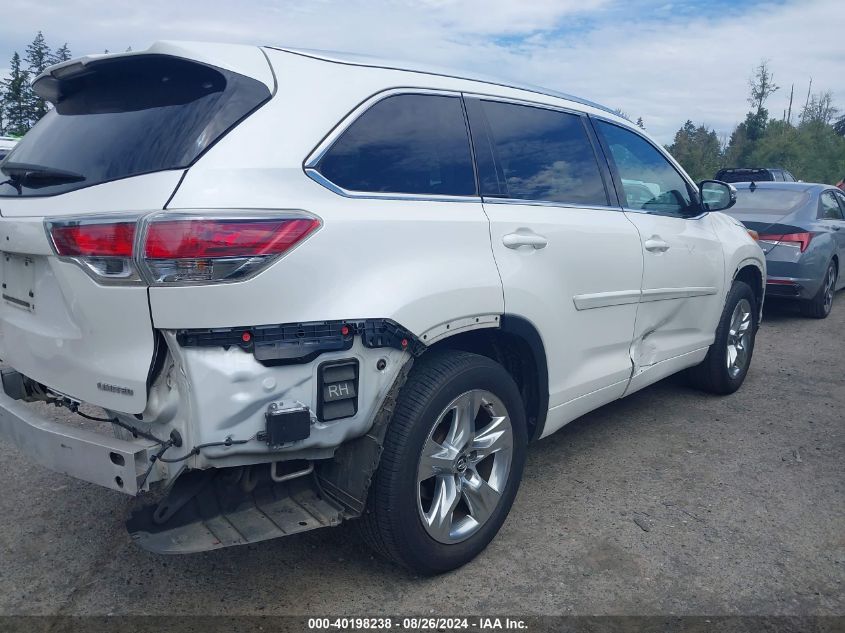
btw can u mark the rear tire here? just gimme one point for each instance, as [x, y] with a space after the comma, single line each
[819, 306]
[435, 465]
[724, 368]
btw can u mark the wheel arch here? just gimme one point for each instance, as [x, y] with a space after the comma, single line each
[516, 345]
[749, 272]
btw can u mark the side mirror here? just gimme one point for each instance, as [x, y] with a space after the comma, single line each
[716, 195]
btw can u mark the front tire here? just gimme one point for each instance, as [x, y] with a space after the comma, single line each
[724, 368]
[451, 464]
[819, 306]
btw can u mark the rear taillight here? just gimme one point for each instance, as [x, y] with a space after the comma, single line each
[95, 240]
[799, 240]
[103, 246]
[180, 248]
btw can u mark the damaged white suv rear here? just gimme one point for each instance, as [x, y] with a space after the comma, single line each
[304, 288]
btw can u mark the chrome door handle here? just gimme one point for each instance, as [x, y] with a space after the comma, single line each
[515, 240]
[656, 245]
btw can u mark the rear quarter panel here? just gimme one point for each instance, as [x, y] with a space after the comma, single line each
[419, 263]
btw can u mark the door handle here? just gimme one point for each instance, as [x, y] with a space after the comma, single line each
[656, 245]
[515, 240]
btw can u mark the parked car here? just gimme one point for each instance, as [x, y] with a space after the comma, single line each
[302, 292]
[7, 144]
[802, 231]
[754, 174]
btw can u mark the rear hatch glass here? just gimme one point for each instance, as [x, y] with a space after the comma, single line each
[764, 209]
[124, 116]
[745, 175]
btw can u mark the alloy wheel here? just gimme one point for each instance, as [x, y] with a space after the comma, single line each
[739, 338]
[829, 285]
[464, 466]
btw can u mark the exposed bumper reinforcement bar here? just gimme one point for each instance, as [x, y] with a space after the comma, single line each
[99, 459]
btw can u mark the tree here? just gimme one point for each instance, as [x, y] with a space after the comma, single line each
[61, 54]
[640, 123]
[697, 149]
[38, 57]
[748, 133]
[16, 101]
[762, 86]
[819, 109]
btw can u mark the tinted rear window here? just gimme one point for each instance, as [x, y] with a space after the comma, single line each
[768, 200]
[755, 175]
[128, 116]
[535, 154]
[413, 144]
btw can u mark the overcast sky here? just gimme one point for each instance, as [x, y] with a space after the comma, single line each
[663, 61]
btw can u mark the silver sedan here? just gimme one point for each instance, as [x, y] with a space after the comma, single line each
[802, 233]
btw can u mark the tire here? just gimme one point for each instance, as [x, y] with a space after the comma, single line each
[716, 373]
[819, 306]
[394, 522]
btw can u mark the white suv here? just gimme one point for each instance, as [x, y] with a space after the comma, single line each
[305, 288]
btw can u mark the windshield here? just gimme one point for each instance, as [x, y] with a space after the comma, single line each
[768, 201]
[126, 116]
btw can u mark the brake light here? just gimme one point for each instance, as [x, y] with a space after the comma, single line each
[184, 239]
[801, 240]
[94, 240]
[178, 247]
[202, 249]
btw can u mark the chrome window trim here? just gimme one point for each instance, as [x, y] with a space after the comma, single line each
[317, 177]
[524, 102]
[309, 165]
[548, 203]
[311, 161]
[662, 214]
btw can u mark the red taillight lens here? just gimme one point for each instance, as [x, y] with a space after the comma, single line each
[212, 239]
[179, 248]
[94, 240]
[801, 240]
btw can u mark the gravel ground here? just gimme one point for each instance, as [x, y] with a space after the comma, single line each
[667, 502]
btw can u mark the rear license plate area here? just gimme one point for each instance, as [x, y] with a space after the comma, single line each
[19, 281]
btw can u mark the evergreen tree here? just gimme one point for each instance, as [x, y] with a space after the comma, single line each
[61, 54]
[38, 57]
[15, 98]
[697, 149]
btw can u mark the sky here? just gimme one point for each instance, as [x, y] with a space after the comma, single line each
[664, 61]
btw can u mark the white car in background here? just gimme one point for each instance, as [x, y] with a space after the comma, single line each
[306, 287]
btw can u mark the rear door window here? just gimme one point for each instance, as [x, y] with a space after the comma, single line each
[649, 180]
[407, 144]
[532, 153]
[127, 116]
[829, 207]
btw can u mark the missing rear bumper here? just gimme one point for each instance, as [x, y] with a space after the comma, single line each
[212, 509]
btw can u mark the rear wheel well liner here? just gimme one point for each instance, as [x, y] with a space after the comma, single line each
[751, 275]
[518, 347]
